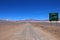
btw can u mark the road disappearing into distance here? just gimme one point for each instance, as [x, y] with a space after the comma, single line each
[25, 32]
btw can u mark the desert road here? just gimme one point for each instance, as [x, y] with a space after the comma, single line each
[26, 32]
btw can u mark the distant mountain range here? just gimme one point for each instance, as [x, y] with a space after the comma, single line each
[6, 20]
[27, 20]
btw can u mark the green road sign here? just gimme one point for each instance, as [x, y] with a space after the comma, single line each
[53, 16]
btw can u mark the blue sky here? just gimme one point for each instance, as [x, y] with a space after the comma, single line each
[26, 9]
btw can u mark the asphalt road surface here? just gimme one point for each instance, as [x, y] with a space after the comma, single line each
[26, 32]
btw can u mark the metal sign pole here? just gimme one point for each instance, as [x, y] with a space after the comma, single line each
[51, 23]
[56, 23]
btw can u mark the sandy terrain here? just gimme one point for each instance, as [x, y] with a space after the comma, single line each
[23, 31]
[53, 29]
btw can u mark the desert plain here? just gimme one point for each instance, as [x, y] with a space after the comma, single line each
[29, 31]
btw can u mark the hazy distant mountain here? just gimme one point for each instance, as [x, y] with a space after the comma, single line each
[6, 20]
[48, 19]
[26, 20]
[35, 20]
[3, 20]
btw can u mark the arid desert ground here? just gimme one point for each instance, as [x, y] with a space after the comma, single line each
[29, 31]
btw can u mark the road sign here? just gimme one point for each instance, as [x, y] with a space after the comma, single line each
[53, 16]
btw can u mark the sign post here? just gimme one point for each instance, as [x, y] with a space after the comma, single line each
[53, 17]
